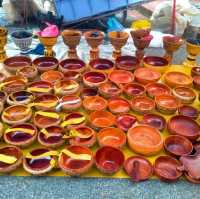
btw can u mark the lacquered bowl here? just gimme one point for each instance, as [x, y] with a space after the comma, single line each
[88, 92]
[109, 160]
[94, 78]
[72, 65]
[76, 160]
[16, 114]
[184, 94]
[100, 64]
[66, 87]
[16, 156]
[51, 76]
[196, 82]
[36, 162]
[69, 102]
[154, 120]
[21, 135]
[167, 104]
[125, 121]
[129, 63]
[118, 105]
[175, 78]
[145, 140]
[12, 64]
[29, 72]
[110, 89]
[178, 145]
[44, 119]
[111, 136]
[188, 111]
[121, 77]
[156, 89]
[72, 75]
[138, 168]
[159, 64]
[146, 75]
[166, 168]
[184, 126]
[142, 104]
[45, 63]
[102, 119]
[86, 136]
[51, 136]
[94, 103]
[134, 90]
[195, 71]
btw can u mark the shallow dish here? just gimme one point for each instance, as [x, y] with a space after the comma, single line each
[145, 140]
[138, 168]
[134, 90]
[29, 72]
[121, 77]
[88, 92]
[76, 160]
[188, 111]
[94, 103]
[111, 136]
[69, 102]
[129, 63]
[51, 76]
[109, 160]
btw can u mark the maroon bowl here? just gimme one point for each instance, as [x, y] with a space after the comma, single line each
[88, 92]
[134, 90]
[195, 71]
[188, 111]
[72, 75]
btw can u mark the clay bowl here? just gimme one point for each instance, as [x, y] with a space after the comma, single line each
[184, 126]
[142, 105]
[44, 119]
[109, 160]
[118, 105]
[121, 77]
[159, 64]
[69, 102]
[38, 161]
[111, 136]
[40, 87]
[51, 76]
[94, 78]
[94, 103]
[101, 65]
[166, 168]
[66, 87]
[154, 120]
[51, 136]
[134, 90]
[16, 114]
[75, 160]
[72, 65]
[138, 168]
[46, 102]
[45, 63]
[88, 92]
[16, 156]
[129, 63]
[110, 89]
[86, 136]
[74, 119]
[21, 135]
[188, 111]
[196, 82]
[195, 71]
[2, 77]
[20, 97]
[72, 75]
[12, 64]
[184, 94]
[145, 140]
[156, 89]
[125, 121]
[175, 79]
[29, 72]
[102, 119]
[178, 145]
[146, 75]
[166, 104]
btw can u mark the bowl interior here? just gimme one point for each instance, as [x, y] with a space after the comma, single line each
[17, 61]
[134, 89]
[189, 111]
[101, 64]
[125, 121]
[156, 61]
[22, 34]
[44, 62]
[72, 64]
[94, 77]
[127, 62]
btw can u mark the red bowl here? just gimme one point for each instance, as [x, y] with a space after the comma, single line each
[134, 90]
[196, 82]
[72, 65]
[129, 63]
[166, 168]
[51, 76]
[70, 102]
[94, 103]
[195, 71]
[88, 92]
[111, 136]
[125, 121]
[184, 126]
[138, 168]
[29, 72]
[109, 160]
[154, 120]
[121, 76]
[72, 75]
[188, 111]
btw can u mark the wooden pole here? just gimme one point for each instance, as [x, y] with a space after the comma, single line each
[174, 17]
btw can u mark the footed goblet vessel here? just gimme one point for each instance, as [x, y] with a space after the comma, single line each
[3, 41]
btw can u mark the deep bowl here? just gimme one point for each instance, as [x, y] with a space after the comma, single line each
[188, 111]
[51, 76]
[29, 72]
[88, 92]
[70, 102]
[134, 90]
[195, 71]
[94, 103]
[121, 77]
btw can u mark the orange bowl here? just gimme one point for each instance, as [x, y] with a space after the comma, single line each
[134, 90]
[94, 103]
[121, 76]
[51, 76]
